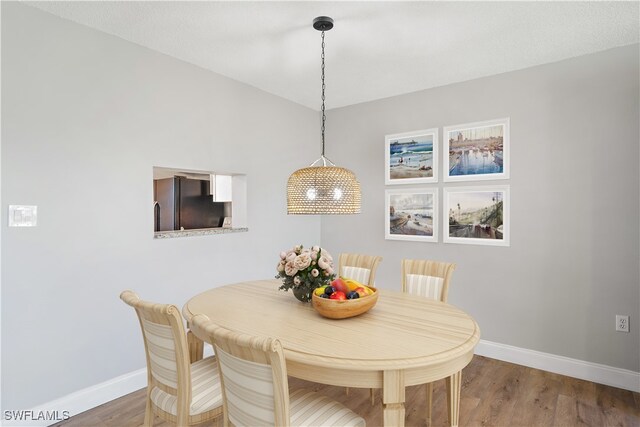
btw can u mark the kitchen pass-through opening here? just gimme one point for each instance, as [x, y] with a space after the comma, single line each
[192, 200]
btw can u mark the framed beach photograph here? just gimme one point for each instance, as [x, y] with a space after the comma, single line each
[476, 151]
[412, 214]
[476, 215]
[411, 157]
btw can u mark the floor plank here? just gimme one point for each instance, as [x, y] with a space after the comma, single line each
[498, 395]
[493, 393]
[537, 403]
[618, 407]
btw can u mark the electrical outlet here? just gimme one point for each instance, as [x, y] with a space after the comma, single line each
[622, 323]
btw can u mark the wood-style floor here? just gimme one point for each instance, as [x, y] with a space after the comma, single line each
[494, 393]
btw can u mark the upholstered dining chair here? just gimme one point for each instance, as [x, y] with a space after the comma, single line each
[428, 279]
[255, 388]
[178, 391]
[361, 268]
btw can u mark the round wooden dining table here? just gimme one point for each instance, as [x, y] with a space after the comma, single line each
[403, 340]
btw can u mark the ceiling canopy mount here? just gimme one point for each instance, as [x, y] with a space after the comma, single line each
[323, 23]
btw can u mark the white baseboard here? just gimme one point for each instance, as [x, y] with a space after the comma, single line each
[77, 402]
[88, 398]
[597, 373]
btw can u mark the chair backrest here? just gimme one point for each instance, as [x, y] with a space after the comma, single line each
[359, 267]
[166, 348]
[253, 374]
[427, 278]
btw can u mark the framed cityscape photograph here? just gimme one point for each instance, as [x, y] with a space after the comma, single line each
[411, 157]
[476, 215]
[412, 214]
[476, 151]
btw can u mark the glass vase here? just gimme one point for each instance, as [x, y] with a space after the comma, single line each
[302, 294]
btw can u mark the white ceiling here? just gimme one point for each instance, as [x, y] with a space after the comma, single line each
[376, 49]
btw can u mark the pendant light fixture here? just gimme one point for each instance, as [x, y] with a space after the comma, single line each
[323, 188]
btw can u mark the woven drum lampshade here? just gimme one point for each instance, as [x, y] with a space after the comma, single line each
[323, 190]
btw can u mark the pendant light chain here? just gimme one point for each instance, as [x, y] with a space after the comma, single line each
[322, 78]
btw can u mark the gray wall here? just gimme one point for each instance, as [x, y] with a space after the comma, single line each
[85, 117]
[574, 255]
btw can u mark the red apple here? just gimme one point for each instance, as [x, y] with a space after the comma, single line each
[339, 295]
[339, 285]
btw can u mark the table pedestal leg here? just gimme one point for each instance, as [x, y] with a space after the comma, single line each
[453, 397]
[393, 398]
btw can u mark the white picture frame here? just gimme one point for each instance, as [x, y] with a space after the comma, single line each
[412, 214]
[476, 215]
[476, 151]
[412, 157]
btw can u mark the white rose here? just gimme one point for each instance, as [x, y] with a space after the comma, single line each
[290, 256]
[314, 255]
[315, 248]
[302, 261]
[324, 263]
[329, 271]
[296, 280]
[297, 248]
[283, 255]
[280, 267]
[315, 272]
[290, 269]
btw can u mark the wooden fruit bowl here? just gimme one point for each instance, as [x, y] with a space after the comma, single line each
[342, 309]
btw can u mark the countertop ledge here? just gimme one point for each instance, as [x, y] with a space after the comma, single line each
[199, 232]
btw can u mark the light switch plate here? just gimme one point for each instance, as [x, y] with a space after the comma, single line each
[23, 216]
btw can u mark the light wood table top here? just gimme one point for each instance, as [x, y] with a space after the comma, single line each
[403, 340]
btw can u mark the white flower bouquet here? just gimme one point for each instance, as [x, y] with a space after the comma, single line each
[302, 270]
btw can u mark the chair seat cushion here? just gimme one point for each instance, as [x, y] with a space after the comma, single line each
[308, 408]
[206, 392]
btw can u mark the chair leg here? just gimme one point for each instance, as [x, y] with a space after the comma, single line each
[148, 413]
[182, 419]
[429, 388]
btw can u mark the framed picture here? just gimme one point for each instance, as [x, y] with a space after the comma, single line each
[412, 214]
[476, 215]
[412, 157]
[477, 151]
